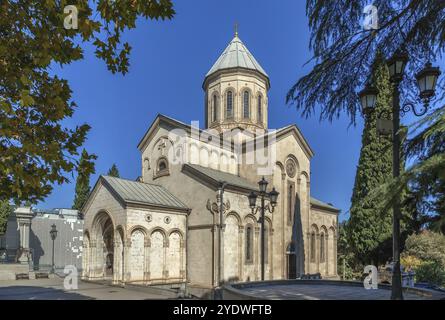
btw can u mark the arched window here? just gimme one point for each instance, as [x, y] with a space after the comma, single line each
[290, 206]
[229, 106]
[260, 109]
[215, 108]
[162, 166]
[313, 247]
[322, 246]
[246, 108]
[249, 244]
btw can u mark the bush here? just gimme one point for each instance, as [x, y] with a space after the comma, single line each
[425, 254]
[431, 272]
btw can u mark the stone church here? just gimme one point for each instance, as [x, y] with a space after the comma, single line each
[187, 219]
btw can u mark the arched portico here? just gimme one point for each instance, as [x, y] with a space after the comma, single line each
[102, 255]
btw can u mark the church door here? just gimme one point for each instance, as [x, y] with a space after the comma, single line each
[291, 262]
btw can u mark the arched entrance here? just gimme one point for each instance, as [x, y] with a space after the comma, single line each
[103, 253]
[291, 261]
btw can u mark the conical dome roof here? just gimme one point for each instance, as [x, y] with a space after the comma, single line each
[236, 55]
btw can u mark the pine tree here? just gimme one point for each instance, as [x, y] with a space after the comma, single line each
[5, 211]
[84, 170]
[114, 171]
[369, 228]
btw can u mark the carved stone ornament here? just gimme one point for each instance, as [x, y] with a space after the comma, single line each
[291, 168]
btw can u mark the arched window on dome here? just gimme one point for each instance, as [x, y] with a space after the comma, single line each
[215, 108]
[229, 105]
[246, 107]
[260, 109]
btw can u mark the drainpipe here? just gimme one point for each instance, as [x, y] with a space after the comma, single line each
[221, 216]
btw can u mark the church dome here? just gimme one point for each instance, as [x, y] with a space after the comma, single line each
[236, 55]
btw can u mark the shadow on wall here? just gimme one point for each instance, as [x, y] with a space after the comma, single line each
[297, 238]
[37, 250]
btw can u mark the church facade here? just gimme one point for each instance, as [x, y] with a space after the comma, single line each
[187, 219]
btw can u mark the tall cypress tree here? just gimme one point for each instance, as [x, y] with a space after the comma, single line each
[370, 226]
[84, 169]
[114, 171]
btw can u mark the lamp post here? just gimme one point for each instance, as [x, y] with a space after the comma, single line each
[426, 80]
[273, 196]
[53, 234]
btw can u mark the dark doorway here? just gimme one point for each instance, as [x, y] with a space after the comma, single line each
[291, 262]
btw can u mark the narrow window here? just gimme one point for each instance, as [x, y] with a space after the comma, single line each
[229, 107]
[290, 204]
[246, 104]
[322, 253]
[249, 242]
[260, 110]
[313, 247]
[215, 108]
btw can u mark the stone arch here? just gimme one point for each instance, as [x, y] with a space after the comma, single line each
[306, 175]
[280, 166]
[214, 159]
[158, 244]
[236, 215]
[204, 155]
[194, 153]
[252, 218]
[102, 251]
[175, 254]
[232, 247]
[137, 253]
[322, 247]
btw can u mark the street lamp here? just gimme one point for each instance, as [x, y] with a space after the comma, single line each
[368, 97]
[273, 197]
[426, 81]
[53, 234]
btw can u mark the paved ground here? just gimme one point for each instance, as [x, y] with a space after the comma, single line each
[325, 292]
[52, 289]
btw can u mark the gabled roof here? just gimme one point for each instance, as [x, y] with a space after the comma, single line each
[236, 55]
[323, 205]
[134, 192]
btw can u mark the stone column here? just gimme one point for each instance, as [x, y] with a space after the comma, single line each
[24, 216]
[147, 246]
[256, 257]
[241, 251]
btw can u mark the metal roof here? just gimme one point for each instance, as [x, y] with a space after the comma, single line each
[234, 180]
[323, 204]
[143, 193]
[236, 55]
[220, 176]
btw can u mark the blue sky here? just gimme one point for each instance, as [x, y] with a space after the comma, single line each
[168, 62]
